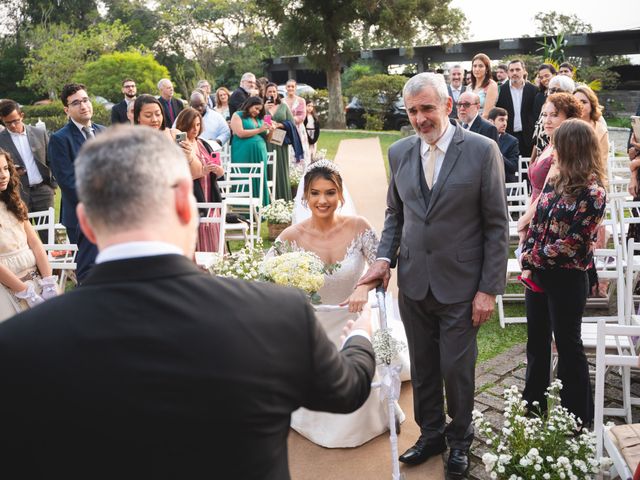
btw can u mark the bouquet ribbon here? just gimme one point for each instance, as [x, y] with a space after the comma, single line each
[390, 381]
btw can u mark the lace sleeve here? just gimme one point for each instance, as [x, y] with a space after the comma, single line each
[369, 244]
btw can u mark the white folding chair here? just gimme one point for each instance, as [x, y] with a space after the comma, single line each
[62, 258]
[272, 174]
[523, 166]
[216, 213]
[255, 173]
[626, 359]
[44, 220]
[628, 214]
[237, 196]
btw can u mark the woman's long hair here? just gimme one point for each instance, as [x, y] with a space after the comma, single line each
[487, 72]
[186, 118]
[145, 99]
[578, 157]
[596, 108]
[275, 100]
[11, 196]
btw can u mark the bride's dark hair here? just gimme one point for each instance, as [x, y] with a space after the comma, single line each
[317, 171]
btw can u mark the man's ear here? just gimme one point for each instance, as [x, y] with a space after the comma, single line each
[185, 203]
[449, 105]
[85, 225]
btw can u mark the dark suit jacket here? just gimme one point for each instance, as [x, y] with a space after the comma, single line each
[485, 128]
[152, 369]
[511, 155]
[458, 243]
[454, 110]
[527, 113]
[64, 146]
[176, 105]
[38, 141]
[119, 113]
[236, 99]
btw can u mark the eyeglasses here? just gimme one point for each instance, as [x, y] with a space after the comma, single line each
[466, 104]
[11, 123]
[77, 103]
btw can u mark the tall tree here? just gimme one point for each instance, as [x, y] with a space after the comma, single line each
[325, 30]
[555, 23]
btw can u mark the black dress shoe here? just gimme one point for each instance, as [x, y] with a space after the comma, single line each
[458, 464]
[423, 450]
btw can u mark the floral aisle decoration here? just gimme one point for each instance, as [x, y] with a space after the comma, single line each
[386, 347]
[552, 446]
[245, 264]
[295, 175]
[278, 216]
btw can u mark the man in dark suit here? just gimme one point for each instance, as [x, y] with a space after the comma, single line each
[455, 88]
[517, 97]
[152, 368]
[119, 110]
[470, 118]
[171, 106]
[245, 90]
[64, 146]
[27, 146]
[508, 144]
[446, 227]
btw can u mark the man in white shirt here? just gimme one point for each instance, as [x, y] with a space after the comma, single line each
[27, 146]
[455, 88]
[214, 127]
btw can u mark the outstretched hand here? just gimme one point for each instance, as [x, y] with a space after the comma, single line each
[363, 322]
[379, 271]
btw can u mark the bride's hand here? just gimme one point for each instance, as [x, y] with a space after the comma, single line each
[358, 299]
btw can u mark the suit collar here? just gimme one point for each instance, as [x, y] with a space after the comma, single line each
[450, 159]
[141, 269]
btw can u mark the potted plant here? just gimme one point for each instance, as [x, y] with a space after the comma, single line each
[550, 446]
[278, 216]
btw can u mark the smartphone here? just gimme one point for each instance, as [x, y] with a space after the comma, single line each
[215, 156]
[530, 284]
[270, 99]
[267, 119]
[181, 137]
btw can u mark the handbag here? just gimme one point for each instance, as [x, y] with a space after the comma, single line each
[277, 137]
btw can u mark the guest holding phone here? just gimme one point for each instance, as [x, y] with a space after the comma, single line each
[558, 249]
[250, 136]
[280, 113]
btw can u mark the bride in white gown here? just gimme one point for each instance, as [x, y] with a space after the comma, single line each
[350, 242]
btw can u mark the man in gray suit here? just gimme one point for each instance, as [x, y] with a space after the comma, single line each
[446, 226]
[27, 146]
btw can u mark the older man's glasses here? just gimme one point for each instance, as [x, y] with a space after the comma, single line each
[466, 104]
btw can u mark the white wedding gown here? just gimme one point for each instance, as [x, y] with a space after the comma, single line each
[372, 419]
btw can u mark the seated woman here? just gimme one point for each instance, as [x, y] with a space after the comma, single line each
[25, 272]
[205, 171]
[558, 249]
[349, 242]
[250, 137]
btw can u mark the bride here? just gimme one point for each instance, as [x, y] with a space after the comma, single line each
[350, 242]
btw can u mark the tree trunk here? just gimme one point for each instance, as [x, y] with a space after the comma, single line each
[334, 85]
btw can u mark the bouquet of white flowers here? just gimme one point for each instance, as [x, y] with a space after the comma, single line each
[303, 270]
[245, 264]
[548, 447]
[279, 211]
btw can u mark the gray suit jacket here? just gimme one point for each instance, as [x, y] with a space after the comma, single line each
[459, 244]
[38, 140]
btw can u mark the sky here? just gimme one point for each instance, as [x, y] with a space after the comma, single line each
[515, 18]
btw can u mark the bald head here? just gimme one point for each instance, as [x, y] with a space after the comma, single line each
[468, 107]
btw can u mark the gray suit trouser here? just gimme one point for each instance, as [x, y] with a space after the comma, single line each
[442, 347]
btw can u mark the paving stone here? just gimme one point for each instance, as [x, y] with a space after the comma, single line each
[510, 381]
[490, 400]
[485, 379]
[521, 373]
[478, 473]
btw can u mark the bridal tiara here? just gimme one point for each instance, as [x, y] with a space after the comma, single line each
[328, 164]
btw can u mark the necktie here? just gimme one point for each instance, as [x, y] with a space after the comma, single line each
[88, 132]
[171, 114]
[430, 167]
[465, 126]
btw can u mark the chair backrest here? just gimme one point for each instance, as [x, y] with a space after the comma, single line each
[44, 220]
[251, 171]
[523, 166]
[628, 214]
[609, 266]
[272, 174]
[62, 257]
[242, 188]
[517, 193]
[216, 214]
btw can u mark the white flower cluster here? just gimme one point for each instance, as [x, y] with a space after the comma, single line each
[245, 264]
[547, 447]
[303, 270]
[295, 175]
[386, 347]
[279, 211]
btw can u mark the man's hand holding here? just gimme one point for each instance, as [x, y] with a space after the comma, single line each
[379, 271]
[363, 322]
[482, 307]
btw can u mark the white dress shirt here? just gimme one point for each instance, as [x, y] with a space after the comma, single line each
[214, 127]
[516, 96]
[455, 92]
[441, 149]
[21, 141]
[126, 250]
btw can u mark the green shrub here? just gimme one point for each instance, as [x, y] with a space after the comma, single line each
[54, 117]
[373, 122]
[377, 94]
